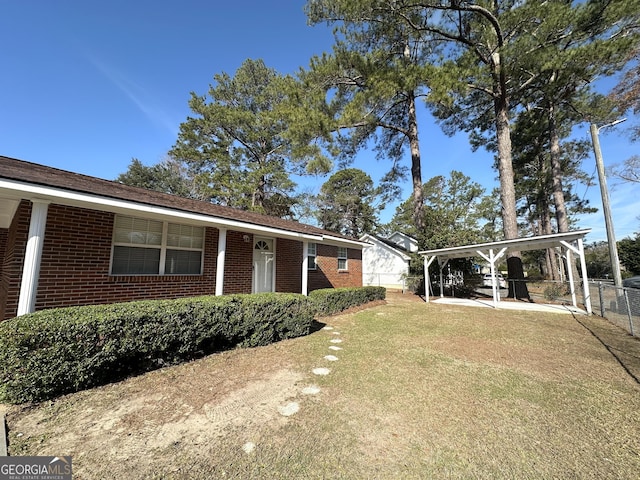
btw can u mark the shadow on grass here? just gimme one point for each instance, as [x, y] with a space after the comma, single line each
[621, 345]
[316, 326]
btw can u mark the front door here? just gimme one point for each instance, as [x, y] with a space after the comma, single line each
[263, 259]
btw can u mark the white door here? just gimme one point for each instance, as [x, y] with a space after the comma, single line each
[263, 259]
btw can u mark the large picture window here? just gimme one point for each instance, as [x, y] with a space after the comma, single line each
[152, 247]
[342, 258]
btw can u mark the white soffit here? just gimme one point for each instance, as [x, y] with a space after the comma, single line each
[12, 191]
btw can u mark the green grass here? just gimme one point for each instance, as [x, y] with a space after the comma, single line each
[419, 391]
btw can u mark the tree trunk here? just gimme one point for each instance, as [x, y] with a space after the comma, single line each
[558, 193]
[517, 287]
[416, 171]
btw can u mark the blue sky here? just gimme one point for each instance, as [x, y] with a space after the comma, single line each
[86, 86]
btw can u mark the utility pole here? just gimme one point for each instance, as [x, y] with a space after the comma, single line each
[606, 204]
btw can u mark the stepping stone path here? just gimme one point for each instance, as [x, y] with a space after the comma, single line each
[311, 390]
[289, 409]
[249, 447]
[292, 408]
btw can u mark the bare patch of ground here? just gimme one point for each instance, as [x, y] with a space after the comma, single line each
[187, 406]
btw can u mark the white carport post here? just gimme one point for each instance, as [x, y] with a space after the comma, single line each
[583, 267]
[567, 259]
[305, 267]
[442, 264]
[492, 259]
[33, 257]
[427, 281]
[222, 252]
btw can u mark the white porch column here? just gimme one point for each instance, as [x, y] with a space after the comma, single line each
[305, 268]
[33, 257]
[222, 252]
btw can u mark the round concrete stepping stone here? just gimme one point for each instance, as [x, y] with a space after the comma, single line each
[331, 358]
[336, 340]
[311, 390]
[321, 371]
[289, 409]
[327, 328]
[333, 347]
[249, 447]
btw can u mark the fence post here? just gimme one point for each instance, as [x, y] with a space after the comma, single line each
[600, 295]
[626, 300]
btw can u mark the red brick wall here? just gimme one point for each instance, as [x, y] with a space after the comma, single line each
[13, 259]
[238, 271]
[75, 264]
[77, 252]
[288, 266]
[327, 274]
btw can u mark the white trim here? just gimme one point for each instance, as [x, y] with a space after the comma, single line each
[305, 267]
[222, 253]
[33, 257]
[163, 247]
[345, 258]
[397, 251]
[23, 190]
[254, 278]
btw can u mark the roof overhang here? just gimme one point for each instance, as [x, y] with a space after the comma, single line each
[539, 242]
[13, 191]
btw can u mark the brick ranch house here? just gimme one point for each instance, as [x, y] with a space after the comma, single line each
[68, 239]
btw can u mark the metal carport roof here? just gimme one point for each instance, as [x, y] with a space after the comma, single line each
[493, 251]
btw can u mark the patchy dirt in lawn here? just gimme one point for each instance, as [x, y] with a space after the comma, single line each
[184, 406]
[188, 406]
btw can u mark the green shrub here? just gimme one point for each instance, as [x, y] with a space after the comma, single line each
[58, 351]
[333, 300]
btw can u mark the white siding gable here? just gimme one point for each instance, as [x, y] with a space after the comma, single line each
[383, 265]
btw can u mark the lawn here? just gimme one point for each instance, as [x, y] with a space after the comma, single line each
[416, 391]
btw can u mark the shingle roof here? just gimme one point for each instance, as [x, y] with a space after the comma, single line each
[33, 173]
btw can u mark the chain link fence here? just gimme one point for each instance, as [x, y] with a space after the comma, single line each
[619, 305]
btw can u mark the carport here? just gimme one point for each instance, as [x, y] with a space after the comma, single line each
[492, 252]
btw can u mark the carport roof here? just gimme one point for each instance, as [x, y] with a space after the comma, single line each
[539, 242]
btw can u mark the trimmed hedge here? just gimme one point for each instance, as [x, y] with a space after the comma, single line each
[58, 351]
[333, 300]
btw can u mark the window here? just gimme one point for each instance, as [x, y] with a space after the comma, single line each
[152, 247]
[342, 258]
[312, 251]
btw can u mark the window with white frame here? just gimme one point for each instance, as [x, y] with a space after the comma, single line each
[342, 258]
[312, 251]
[152, 247]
